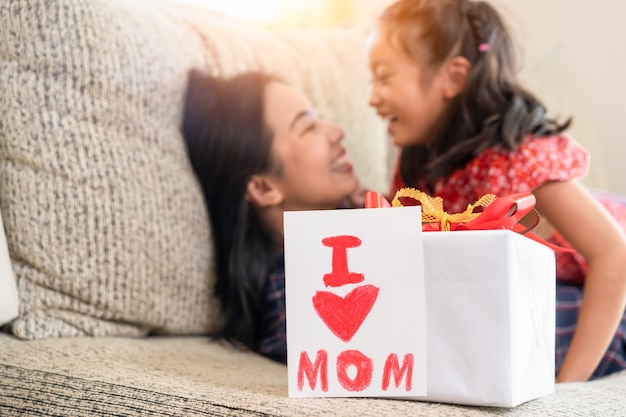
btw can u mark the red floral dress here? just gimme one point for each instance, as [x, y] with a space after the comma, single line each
[501, 172]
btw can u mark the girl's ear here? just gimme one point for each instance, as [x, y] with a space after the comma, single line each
[456, 71]
[263, 191]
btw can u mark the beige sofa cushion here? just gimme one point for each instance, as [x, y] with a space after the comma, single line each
[106, 225]
[194, 377]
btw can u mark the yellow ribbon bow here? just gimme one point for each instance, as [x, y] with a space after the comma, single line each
[432, 207]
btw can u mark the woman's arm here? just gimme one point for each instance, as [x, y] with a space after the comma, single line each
[585, 224]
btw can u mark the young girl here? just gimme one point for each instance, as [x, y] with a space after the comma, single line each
[259, 148]
[444, 79]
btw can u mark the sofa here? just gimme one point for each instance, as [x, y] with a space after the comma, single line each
[106, 227]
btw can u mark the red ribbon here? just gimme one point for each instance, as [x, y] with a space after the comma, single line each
[503, 213]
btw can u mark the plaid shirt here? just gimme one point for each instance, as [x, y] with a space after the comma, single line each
[569, 298]
[273, 343]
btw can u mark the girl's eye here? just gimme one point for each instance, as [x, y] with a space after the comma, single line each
[381, 79]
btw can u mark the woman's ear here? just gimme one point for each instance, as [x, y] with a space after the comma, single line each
[263, 191]
[456, 71]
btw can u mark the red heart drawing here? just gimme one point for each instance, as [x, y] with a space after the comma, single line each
[344, 315]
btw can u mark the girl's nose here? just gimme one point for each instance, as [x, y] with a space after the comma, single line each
[374, 99]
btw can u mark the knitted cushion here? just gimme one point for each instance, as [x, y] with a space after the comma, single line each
[106, 223]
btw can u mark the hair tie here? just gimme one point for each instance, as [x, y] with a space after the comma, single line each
[483, 47]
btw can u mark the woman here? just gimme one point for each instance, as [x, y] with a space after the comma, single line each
[259, 148]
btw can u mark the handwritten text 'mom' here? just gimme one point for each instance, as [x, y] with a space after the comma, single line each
[359, 365]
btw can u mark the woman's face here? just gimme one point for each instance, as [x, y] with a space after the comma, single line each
[408, 97]
[316, 171]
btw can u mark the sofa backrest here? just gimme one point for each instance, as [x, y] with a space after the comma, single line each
[106, 224]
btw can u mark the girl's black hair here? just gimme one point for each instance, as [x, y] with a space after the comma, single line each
[228, 142]
[493, 110]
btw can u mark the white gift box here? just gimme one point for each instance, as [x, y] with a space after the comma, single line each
[490, 317]
[487, 301]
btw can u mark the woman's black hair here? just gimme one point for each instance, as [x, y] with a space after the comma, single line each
[493, 110]
[228, 142]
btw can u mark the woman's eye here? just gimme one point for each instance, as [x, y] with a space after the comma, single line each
[311, 127]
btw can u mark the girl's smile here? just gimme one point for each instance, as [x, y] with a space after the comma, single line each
[411, 98]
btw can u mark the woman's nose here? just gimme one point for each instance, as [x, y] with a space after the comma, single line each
[335, 133]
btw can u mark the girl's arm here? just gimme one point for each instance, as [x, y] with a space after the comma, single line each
[596, 235]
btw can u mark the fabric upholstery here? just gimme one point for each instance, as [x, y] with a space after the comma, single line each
[195, 377]
[105, 221]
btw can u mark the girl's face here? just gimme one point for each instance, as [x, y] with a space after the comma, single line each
[316, 171]
[408, 96]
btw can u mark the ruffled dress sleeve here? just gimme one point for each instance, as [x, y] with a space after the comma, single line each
[501, 172]
[535, 162]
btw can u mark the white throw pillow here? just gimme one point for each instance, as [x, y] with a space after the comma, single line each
[8, 291]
